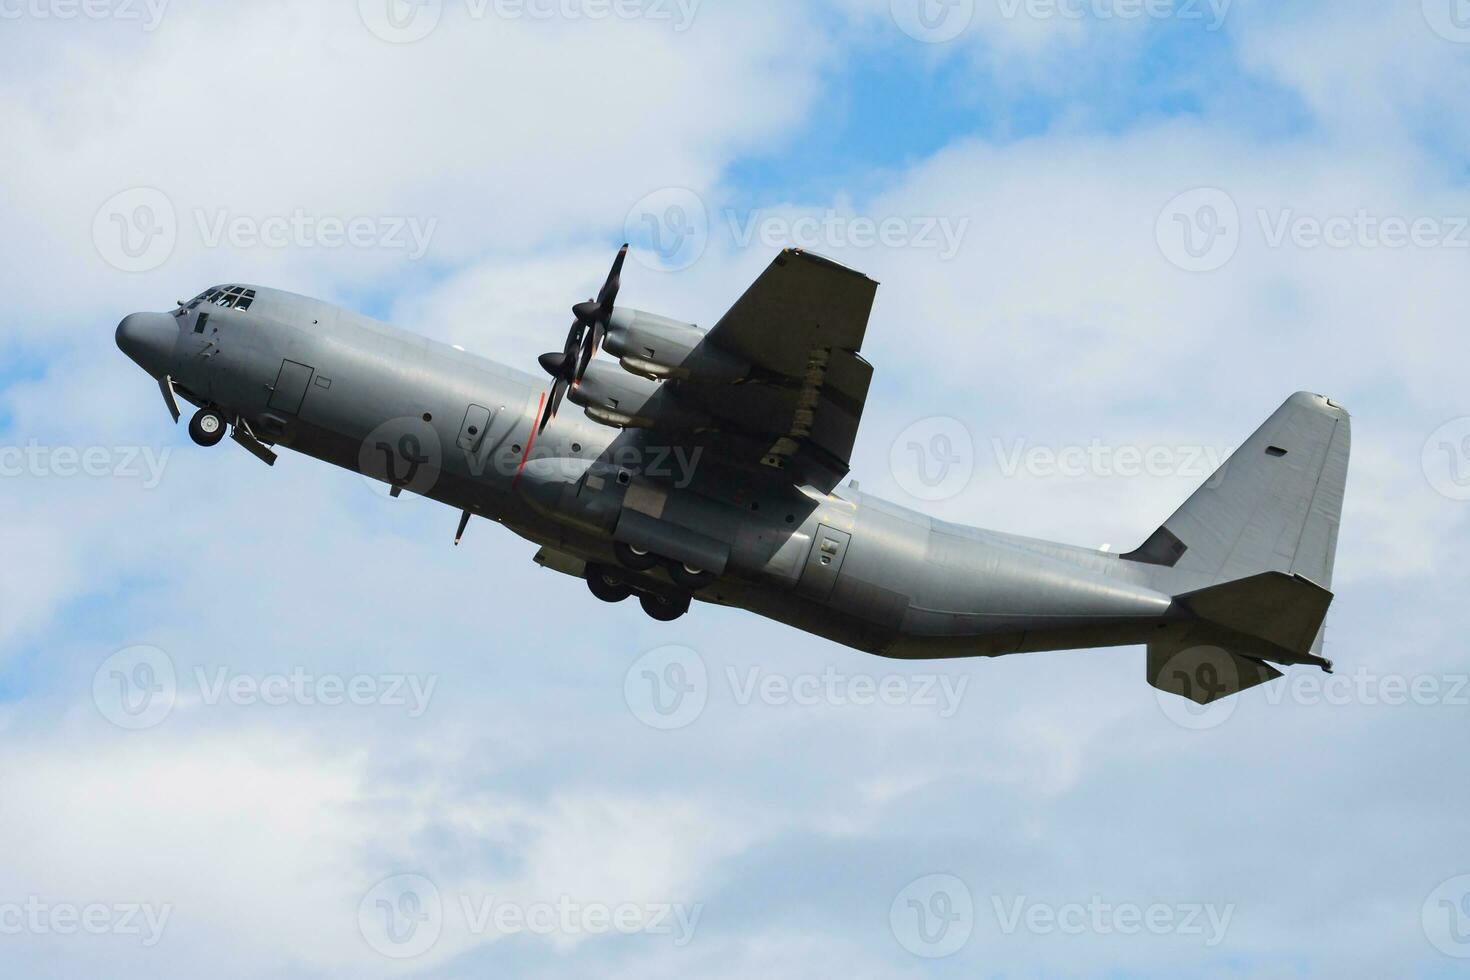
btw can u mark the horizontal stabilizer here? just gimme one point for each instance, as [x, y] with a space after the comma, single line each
[1273, 615]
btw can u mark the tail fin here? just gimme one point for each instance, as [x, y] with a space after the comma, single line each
[1274, 506]
[1255, 547]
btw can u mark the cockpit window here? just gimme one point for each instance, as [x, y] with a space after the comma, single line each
[226, 297]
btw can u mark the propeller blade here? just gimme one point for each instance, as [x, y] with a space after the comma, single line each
[589, 330]
[553, 402]
[589, 349]
[609, 294]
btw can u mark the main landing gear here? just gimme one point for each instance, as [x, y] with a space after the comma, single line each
[684, 576]
[207, 427]
[662, 606]
[604, 586]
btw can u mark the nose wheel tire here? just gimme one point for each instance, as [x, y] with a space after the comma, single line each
[207, 427]
[692, 579]
[605, 588]
[664, 608]
[630, 557]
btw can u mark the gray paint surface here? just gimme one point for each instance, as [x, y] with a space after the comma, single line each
[735, 466]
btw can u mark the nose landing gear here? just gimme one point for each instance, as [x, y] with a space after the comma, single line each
[207, 427]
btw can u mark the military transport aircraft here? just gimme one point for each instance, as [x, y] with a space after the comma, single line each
[708, 464]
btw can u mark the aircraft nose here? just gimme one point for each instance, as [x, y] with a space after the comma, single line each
[148, 338]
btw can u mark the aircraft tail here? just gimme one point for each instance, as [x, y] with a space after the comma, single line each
[1253, 551]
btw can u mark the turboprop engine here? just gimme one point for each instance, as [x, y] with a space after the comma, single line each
[612, 396]
[661, 349]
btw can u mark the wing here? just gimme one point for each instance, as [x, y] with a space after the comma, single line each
[795, 416]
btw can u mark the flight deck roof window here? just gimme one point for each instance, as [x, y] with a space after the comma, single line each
[227, 297]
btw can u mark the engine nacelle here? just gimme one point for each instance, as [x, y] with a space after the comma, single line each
[660, 349]
[614, 397]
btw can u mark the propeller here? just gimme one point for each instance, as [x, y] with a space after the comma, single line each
[589, 329]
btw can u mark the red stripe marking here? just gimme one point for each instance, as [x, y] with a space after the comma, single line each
[531, 440]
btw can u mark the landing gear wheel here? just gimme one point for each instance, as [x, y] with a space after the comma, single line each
[630, 557]
[604, 587]
[690, 578]
[207, 427]
[664, 608]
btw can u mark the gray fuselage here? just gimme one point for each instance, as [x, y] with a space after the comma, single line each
[460, 429]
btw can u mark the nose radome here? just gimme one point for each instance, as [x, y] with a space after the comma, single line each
[148, 338]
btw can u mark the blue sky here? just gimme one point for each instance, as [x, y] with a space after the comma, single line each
[1081, 308]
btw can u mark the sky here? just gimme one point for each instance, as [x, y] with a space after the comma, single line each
[269, 722]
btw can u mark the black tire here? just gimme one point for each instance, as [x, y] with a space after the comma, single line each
[603, 586]
[664, 608]
[207, 427]
[689, 578]
[629, 557]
